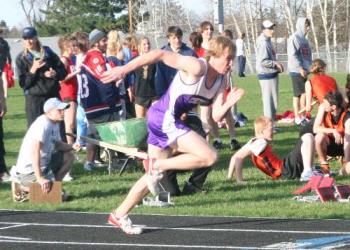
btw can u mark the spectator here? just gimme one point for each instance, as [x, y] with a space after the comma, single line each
[196, 40]
[165, 74]
[100, 101]
[127, 88]
[80, 45]
[43, 156]
[145, 93]
[268, 69]
[207, 30]
[241, 58]
[69, 86]
[5, 57]
[297, 164]
[299, 62]
[332, 129]
[39, 72]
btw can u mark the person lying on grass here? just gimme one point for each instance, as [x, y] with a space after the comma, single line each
[297, 164]
[332, 129]
[198, 81]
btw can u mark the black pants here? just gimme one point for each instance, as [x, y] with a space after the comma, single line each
[241, 65]
[34, 107]
[198, 176]
[2, 149]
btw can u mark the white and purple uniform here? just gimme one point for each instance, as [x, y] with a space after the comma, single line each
[163, 118]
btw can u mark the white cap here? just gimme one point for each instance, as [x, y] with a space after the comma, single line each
[54, 103]
[267, 24]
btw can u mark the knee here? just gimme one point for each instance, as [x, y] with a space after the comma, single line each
[308, 138]
[69, 157]
[320, 139]
[211, 158]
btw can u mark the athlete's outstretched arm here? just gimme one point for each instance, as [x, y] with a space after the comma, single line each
[236, 164]
[192, 66]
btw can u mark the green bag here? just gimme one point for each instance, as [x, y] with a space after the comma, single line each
[129, 133]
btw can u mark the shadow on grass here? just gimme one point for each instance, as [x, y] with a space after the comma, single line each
[10, 135]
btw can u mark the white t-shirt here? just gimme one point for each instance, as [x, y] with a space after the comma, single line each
[240, 49]
[256, 146]
[45, 131]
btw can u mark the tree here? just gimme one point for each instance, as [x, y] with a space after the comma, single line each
[66, 16]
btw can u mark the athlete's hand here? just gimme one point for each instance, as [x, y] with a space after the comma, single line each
[279, 67]
[234, 95]
[303, 73]
[337, 137]
[115, 74]
[37, 64]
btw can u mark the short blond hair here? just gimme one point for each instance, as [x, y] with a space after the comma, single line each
[261, 123]
[218, 45]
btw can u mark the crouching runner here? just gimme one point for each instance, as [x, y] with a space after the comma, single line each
[198, 81]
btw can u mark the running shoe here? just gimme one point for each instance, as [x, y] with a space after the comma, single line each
[88, 166]
[124, 223]
[218, 145]
[234, 144]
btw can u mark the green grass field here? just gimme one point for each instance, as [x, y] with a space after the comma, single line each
[260, 197]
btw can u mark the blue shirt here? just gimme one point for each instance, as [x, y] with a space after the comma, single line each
[165, 74]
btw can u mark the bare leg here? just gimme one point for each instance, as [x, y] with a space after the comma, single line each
[192, 157]
[307, 151]
[296, 106]
[302, 103]
[321, 143]
[69, 121]
[230, 125]
[140, 111]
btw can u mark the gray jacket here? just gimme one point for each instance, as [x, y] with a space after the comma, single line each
[298, 49]
[265, 58]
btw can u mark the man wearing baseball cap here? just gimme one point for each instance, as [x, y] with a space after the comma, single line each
[101, 102]
[268, 69]
[43, 156]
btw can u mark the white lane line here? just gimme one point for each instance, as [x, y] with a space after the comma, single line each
[13, 226]
[175, 215]
[13, 238]
[131, 245]
[186, 228]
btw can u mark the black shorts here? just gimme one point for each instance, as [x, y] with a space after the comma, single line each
[293, 163]
[298, 83]
[145, 102]
[334, 149]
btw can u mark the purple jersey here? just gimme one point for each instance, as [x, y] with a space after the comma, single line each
[164, 124]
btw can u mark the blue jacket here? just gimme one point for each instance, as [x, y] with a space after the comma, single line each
[165, 74]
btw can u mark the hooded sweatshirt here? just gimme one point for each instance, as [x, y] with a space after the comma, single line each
[298, 49]
[265, 58]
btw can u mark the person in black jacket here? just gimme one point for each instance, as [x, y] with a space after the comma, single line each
[39, 72]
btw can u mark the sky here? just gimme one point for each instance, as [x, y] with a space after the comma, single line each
[12, 13]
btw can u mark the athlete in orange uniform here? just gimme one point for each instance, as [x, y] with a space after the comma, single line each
[319, 84]
[332, 129]
[297, 164]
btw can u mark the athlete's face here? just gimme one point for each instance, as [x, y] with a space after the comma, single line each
[268, 132]
[102, 45]
[223, 63]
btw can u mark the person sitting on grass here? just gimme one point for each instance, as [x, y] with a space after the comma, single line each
[198, 81]
[43, 156]
[319, 84]
[297, 164]
[332, 129]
